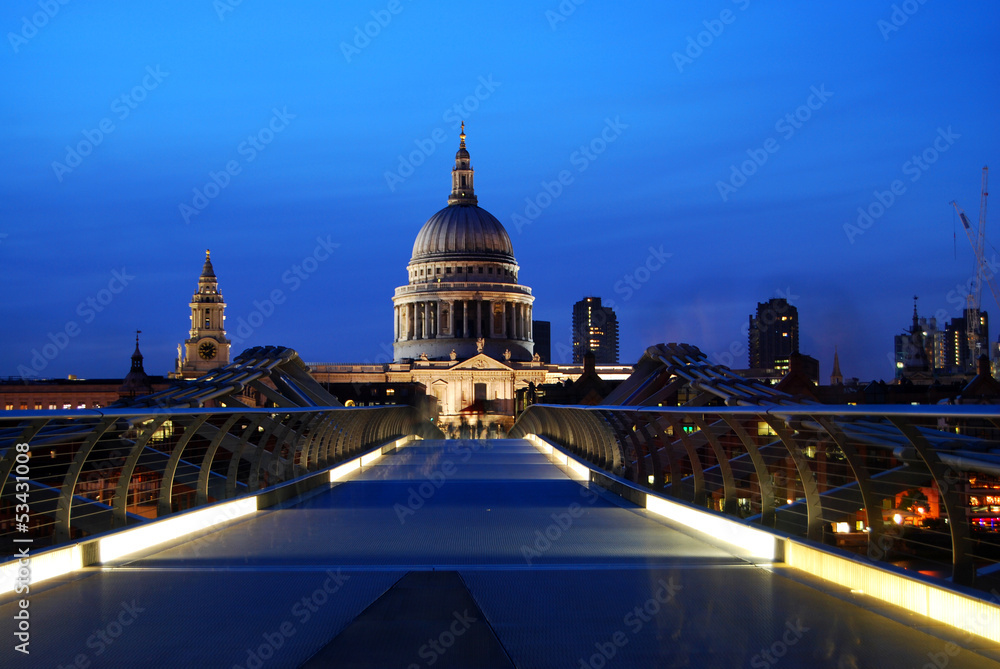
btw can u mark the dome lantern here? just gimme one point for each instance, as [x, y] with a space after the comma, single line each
[462, 191]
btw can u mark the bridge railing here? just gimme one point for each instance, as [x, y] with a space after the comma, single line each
[914, 486]
[65, 475]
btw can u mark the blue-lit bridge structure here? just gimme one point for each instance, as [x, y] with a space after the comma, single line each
[731, 526]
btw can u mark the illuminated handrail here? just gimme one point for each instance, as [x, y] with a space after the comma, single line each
[87, 471]
[916, 478]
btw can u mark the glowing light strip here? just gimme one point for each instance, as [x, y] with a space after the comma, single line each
[539, 444]
[940, 604]
[158, 532]
[343, 470]
[582, 472]
[69, 559]
[759, 544]
[405, 441]
[43, 567]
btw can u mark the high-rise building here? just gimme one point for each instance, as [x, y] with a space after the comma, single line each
[595, 328]
[207, 346]
[773, 335]
[959, 356]
[542, 331]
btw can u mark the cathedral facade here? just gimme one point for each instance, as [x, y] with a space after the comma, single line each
[463, 296]
[462, 323]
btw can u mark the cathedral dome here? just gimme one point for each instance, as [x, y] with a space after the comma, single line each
[465, 230]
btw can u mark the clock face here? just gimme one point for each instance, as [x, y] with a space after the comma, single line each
[207, 350]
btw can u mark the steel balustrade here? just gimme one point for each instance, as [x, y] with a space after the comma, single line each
[807, 468]
[95, 470]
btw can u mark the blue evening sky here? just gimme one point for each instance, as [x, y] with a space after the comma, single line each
[115, 113]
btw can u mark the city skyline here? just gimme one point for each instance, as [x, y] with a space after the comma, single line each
[722, 155]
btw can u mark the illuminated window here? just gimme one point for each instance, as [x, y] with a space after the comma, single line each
[8, 407]
[764, 429]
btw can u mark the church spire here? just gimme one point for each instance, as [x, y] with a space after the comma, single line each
[836, 377]
[462, 191]
[136, 383]
[137, 356]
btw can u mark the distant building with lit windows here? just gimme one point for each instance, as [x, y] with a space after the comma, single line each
[595, 328]
[961, 354]
[773, 335]
[925, 354]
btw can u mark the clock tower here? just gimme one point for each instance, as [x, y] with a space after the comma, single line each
[207, 347]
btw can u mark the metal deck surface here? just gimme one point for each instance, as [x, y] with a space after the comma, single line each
[547, 573]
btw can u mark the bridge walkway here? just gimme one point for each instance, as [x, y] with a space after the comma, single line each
[464, 553]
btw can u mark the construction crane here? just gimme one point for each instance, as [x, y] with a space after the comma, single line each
[981, 273]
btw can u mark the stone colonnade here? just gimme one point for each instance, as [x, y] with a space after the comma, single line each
[468, 319]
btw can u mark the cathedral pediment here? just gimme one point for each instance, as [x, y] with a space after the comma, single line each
[482, 361]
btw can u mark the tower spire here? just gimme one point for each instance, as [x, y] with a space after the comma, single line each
[836, 377]
[462, 191]
[137, 356]
[207, 271]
